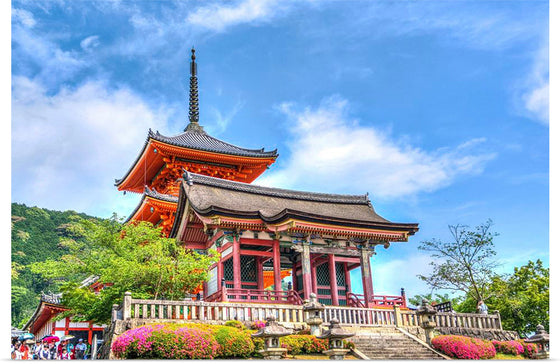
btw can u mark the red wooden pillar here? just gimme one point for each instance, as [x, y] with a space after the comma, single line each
[276, 265]
[332, 276]
[236, 264]
[294, 278]
[260, 278]
[347, 275]
[306, 271]
[314, 277]
[366, 277]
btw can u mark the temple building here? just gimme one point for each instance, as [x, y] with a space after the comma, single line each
[275, 245]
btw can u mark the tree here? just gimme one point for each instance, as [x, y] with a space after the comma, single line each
[434, 297]
[464, 264]
[133, 257]
[523, 298]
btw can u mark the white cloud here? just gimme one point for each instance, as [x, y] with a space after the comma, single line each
[331, 152]
[24, 17]
[55, 64]
[535, 94]
[218, 16]
[68, 148]
[89, 42]
[219, 121]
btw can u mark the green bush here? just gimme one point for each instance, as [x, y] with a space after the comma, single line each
[234, 323]
[234, 343]
[304, 344]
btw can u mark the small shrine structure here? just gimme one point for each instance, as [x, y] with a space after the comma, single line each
[43, 322]
[198, 189]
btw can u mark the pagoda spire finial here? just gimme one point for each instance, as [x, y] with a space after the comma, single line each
[193, 97]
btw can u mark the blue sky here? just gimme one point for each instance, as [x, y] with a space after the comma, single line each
[438, 109]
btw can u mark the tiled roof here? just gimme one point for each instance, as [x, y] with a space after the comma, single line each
[153, 194]
[213, 196]
[160, 196]
[274, 192]
[198, 139]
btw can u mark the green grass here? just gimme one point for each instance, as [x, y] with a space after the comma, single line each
[501, 356]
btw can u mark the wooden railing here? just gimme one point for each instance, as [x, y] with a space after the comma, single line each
[357, 300]
[292, 313]
[263, 296]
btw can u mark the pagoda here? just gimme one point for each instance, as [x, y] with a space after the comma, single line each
[198, 188]
[162, 160]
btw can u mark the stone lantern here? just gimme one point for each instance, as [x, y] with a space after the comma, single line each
[335, 334]
[541, 340]
[271, 334]
[426, 313]
[314, 309]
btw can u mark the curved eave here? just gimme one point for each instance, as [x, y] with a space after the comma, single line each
[286, 215]
[39, 316]
[179, 212]
[147, 202]
[205, 156]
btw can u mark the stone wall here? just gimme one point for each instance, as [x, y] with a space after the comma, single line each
[501, 335]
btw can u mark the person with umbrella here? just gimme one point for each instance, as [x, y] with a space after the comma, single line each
[44, 352]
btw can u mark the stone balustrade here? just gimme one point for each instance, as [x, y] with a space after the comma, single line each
[292, 314]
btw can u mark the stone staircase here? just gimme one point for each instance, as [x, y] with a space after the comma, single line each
[390, 343]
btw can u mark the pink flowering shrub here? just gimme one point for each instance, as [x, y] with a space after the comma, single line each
[258, 324]
[165, 342]
[529, 349]
[511, 347]
[463, 347]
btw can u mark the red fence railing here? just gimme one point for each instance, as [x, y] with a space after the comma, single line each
[357, 300]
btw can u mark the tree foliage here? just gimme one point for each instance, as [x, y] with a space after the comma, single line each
[133, 257]
[35, 238]
[434, 297]
[523, 298]
[465, 263]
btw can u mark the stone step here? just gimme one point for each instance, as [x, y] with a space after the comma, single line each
[391, 345]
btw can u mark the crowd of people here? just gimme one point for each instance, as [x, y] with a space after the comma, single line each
[48, 350]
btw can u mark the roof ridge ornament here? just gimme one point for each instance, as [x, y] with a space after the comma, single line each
[193, 98]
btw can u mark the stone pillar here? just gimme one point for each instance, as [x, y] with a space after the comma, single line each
[236, 263]
[332, 276]
[306, 271]
[426, 315]
[276, 265]
[367, 282]
[127, 305]
[335, 334]
[313, 308]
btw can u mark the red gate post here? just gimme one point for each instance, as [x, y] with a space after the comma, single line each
[260, 273]
[236, 263]
[276, 265]
[348, 282]
[332, 276]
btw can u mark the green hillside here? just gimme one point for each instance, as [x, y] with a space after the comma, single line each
[36, 235]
